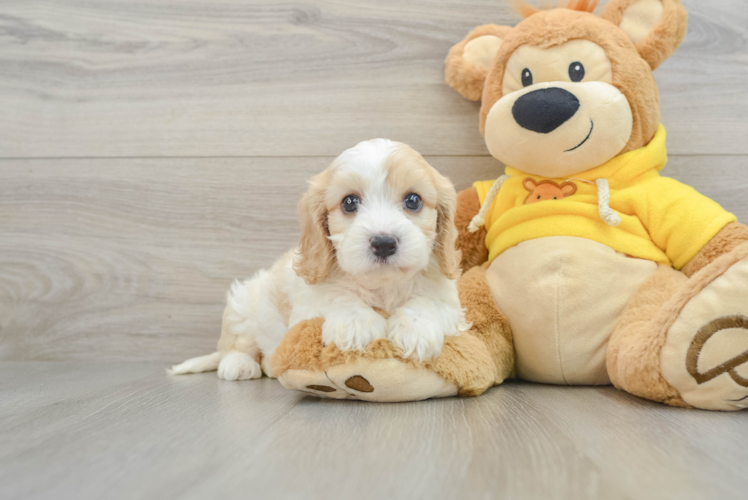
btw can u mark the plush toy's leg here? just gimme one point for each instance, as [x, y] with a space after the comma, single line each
[684, 341]
[469, 363]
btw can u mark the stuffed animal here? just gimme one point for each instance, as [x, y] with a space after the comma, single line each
[584, 266]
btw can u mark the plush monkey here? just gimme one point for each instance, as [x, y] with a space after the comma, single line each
[583, 265]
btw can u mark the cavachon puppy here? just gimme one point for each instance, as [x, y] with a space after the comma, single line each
[377, 236]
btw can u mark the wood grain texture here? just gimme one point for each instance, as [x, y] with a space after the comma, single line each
[106, 78]
[127, 430]
[129, 259]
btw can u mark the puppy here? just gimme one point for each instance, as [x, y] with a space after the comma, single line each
[377, 231]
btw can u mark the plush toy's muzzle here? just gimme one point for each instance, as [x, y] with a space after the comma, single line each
[558, 129]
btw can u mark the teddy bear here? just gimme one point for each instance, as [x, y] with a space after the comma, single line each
[582, 264]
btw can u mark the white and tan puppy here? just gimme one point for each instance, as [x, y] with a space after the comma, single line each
[377, 230]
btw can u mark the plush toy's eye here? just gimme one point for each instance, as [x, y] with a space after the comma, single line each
[526, 77]
[412, 202]
[350, 203]
[576, 71]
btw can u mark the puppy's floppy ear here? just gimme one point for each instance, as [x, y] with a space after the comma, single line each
[445, 246]
[469, 62]
[316, 255]
[657, 27]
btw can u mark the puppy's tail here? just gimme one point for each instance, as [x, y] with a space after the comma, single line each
[200, 364]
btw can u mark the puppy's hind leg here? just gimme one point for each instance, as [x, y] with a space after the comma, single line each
[239, 366]
[231, 366]
[249, 313]
[237, 355]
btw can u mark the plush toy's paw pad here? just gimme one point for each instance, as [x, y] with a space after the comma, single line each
[239, 366]
[316, 383]
[389, 380]
[705, 356]
[359, 384]
[385, 380]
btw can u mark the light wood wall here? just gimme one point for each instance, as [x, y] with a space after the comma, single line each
[152, 151]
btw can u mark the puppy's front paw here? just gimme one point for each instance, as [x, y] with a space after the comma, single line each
[418, 334]
[239, 366]
[353, 329]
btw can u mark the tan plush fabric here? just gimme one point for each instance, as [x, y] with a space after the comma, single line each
[489, 324]
[472, 245]
[466, 77]
[633, 358]
[667, 34]
[562, 296]
[635, 352]
[705, 354]
[472, 361]
[631, 74]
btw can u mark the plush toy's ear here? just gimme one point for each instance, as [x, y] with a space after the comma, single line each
[655, 26]
[529, 184]
[470, 61]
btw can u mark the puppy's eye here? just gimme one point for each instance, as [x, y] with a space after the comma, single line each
[576, 71]
[412, 202]
[350, 203]
[526, 77]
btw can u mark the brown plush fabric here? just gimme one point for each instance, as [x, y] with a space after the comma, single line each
[467, 78]
[473, 361]
[664, 38]
[633, 358]
[730, 237]
[489, 324]
[472, 245]
[464, 360]
[631, 74]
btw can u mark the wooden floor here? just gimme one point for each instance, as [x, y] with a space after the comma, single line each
[126, 431]
[152, 151]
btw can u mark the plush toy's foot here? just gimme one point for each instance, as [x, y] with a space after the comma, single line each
[468, 365]
[705, 355]
[385, 380]
[684, 341]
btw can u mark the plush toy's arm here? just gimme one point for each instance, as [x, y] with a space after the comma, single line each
[472, 245]
[729, 237]
[680, 220]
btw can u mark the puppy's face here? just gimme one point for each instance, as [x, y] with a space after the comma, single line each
[382, 211]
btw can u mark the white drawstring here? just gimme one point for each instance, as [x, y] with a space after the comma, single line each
[480, 217]
[607, 214]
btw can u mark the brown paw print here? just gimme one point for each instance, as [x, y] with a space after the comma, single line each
[729, 366]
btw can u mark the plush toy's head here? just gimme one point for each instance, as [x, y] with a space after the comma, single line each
[566, 90]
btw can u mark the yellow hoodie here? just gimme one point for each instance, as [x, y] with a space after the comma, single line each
[661, 219]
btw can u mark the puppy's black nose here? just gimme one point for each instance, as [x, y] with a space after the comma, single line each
[383, 245]
[544, 110]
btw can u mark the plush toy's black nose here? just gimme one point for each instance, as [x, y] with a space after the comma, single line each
[544, 110]
[383, 245]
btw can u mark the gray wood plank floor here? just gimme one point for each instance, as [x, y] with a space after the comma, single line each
[153, 151]
[127, 430]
